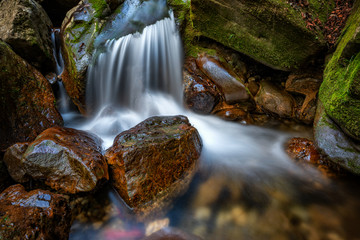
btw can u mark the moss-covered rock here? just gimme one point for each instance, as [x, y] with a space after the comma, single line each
[26, 27]
[340, 90]
[27, 102]
[271, 31]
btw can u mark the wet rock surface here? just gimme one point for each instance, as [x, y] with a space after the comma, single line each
[26, 27]
[169, 233]
[305, 152]
[27, 100]
[200, 94]
[154, 161]
[232, 88]
[67, 160]
[37, 214]
[274, 100]
[335, 144]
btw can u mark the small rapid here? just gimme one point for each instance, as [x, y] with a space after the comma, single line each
[140, 75]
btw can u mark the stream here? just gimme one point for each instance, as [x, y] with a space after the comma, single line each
[246, 186]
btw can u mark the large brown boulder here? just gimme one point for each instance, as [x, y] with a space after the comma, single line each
[37, 214]
[26, 27]
[68, 160]
[154, 161]
[27, 102]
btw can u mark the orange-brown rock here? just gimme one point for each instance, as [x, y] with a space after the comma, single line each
[274, 100]
[305, 152]
[68, 160]
[308, 86]
[27, 102]
[231, 86]
[200, 94]
[232, 112]
[154, 161]
[37, 214]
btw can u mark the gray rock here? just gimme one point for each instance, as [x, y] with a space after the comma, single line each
[26, 27]
[334, 143]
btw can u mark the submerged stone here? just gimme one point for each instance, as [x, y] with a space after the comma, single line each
[68, 160]
[271, 31]
[169, 233]
[154, 161]
[37, 214]
[26, 27]
[340, 90]
[27, 101]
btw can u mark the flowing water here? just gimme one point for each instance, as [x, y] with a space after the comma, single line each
[246, 187]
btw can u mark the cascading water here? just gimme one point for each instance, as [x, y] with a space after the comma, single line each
[63, 99]
[138, 76]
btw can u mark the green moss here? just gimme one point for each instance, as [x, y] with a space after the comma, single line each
[99, 7]
[338, 91]
[271, 32]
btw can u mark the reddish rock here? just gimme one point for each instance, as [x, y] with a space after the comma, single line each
[232, 112]
[27, 101]
[305, 152]
[169, 233]
[154, 161]
[231, 86]
[272, 99]
[37, 214]
[200, 94]
[67, 160]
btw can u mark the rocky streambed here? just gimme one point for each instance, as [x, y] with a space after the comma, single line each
[292, 66]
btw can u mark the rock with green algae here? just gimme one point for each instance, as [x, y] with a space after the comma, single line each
[26, 27]
[27, 102]
[340, 90]
[271, 32]
[334, 143]
[79, 29]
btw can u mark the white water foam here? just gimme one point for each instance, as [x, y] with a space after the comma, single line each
[140, 76]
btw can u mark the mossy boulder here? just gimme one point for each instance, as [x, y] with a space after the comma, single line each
[26, 27]
[89, 25]
[271, 31]
[27, 102]
[340, 90]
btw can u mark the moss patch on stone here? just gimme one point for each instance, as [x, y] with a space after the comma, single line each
[340, 90]
[271, 31]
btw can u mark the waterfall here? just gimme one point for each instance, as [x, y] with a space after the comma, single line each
[140, 75]
[63, 99]
[135, 66]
